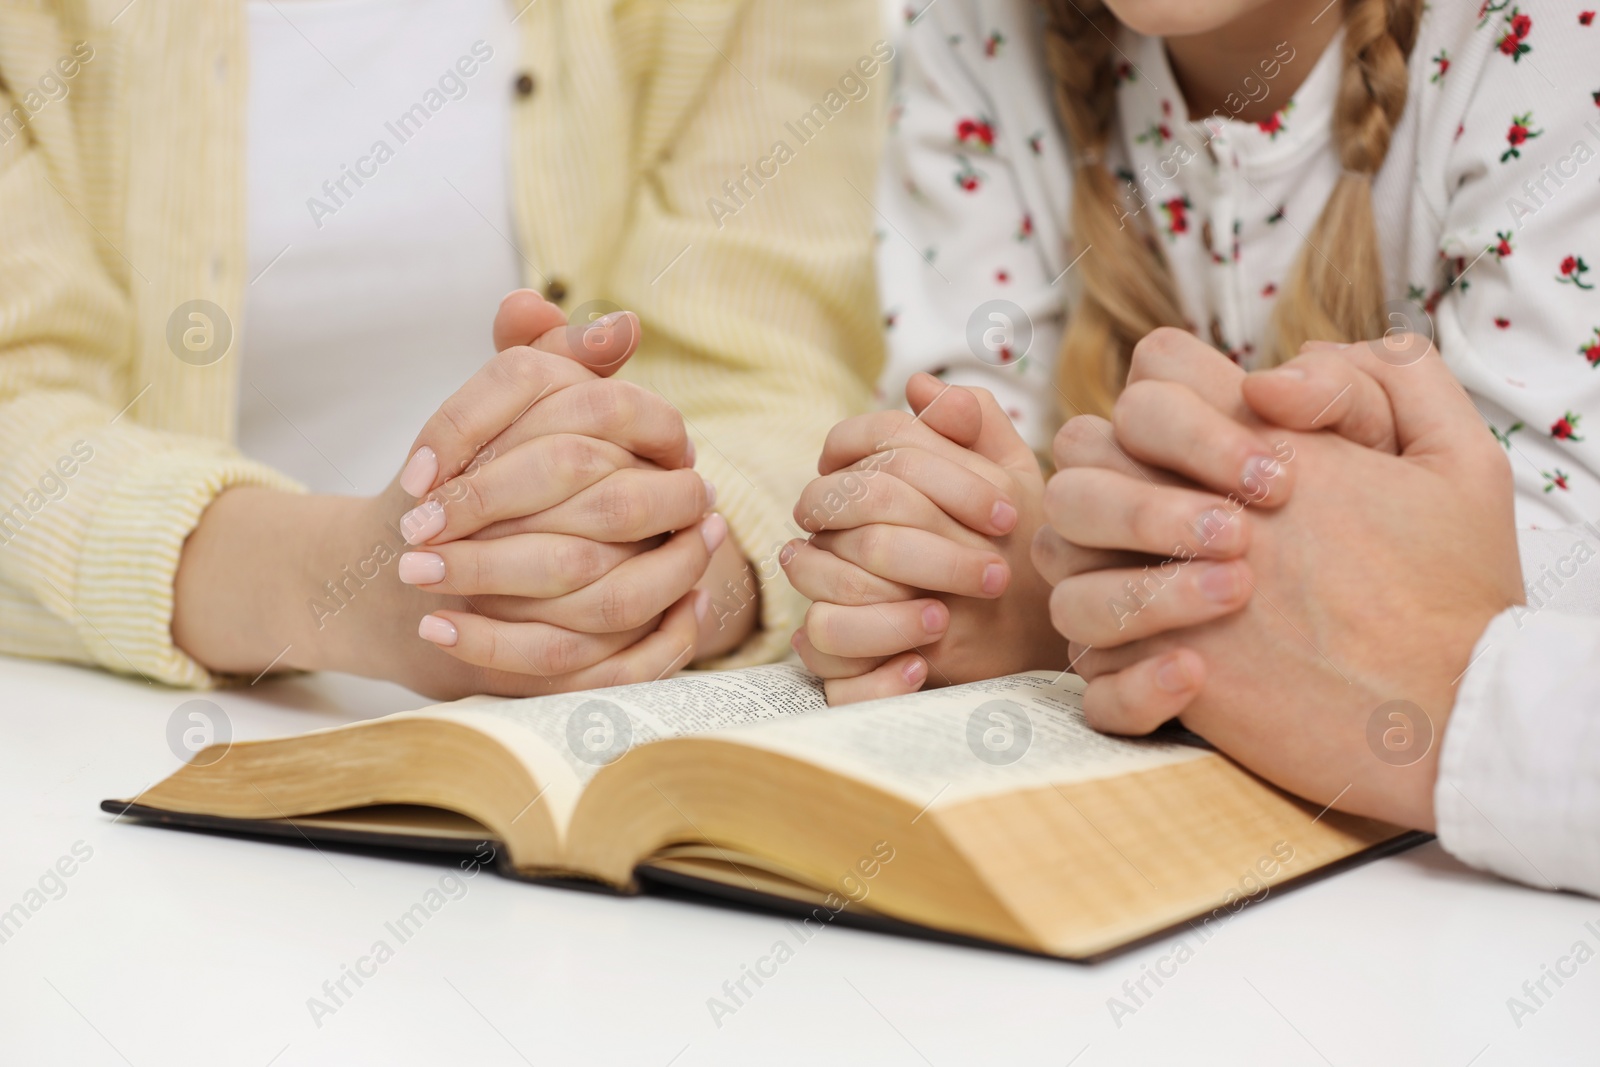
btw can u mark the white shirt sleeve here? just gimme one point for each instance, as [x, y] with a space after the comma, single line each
[1558, 568]
[1518, 791]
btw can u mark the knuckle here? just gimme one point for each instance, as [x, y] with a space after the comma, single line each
[616, 508]
[576, 457]
[606, 406]
[619, 607]
[578, 559]
[561, 650]
[453, 414]
[875, 545]
[1147, 523]
[1077, 441]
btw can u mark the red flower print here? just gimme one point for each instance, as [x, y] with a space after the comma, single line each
[1590, 350]
[890, 318]
[1270, 289]
[1025, 230]
[992, 43]
[1573, 269]
[1557, 480]
[1166, 109]
[1036, 144]
[1502, 246]
[976, 133]
[1586, 18]
[1158, 134]
[1177, 210]
[1503, 323]
[1125, 73]
[1002, 276]
[1272, 126]
[1513, 42]
[1520, 133]
[967, 179]
[1566, 427]
[1442, 62]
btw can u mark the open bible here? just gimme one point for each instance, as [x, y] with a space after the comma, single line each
[988, 811]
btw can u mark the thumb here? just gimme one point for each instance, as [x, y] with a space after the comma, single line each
[1434, 419]
[602, 343]
[971, 418]
[1321, 390]
[948, 410]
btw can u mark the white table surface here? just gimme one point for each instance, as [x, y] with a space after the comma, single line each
[175, 948]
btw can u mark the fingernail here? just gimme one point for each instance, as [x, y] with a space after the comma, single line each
[421, 469]
[598, 332]
[715, 531]
[994, 579]
[1004, 516]
[933, 619]
[689, 454]
[1220, 584]
[422, 522]
[441, 632]
[711, 494]
[1259, 474]
[1323, 346]
[914, 672]
[421, 568]
[788, 552]
[702, 604]
[1173, 675]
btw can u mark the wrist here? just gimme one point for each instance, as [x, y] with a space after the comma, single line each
[238, 605]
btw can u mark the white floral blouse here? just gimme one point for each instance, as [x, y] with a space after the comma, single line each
[1488, 211]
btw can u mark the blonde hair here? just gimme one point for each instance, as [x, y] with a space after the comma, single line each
[1336, 291]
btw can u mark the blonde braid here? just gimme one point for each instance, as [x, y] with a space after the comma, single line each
[1336, 291]
[1126, 285]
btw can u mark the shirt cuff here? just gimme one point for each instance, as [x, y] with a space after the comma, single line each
[1518, 791]
[123, 600]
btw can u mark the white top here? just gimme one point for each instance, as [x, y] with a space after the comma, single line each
[380, 234]
[1500, 137]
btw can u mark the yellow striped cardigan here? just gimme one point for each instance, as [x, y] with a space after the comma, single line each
[642, 146]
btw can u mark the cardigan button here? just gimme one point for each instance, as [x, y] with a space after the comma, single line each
[555, 290]
[524, 84]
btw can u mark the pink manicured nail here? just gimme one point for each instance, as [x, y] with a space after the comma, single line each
[1286, 373]
[1173, 676]
[715, 530]
[1004, 516]
[933, 619]
[914, 672]
[421, 469]
[421, 568]
[788, 552]
[1220, 584]
[711, 494]
[441, 632]
[688, 455]
[422, 522]
[994, 579]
